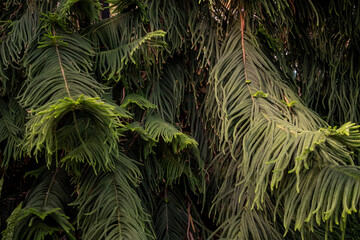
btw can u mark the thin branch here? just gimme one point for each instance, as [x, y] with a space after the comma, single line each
[166, 211]
[117, 208]
[242, 42]
[50, 186]
[190, 222]
[62, 69]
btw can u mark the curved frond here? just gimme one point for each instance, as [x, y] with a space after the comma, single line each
[122, 6]
[160, 129]
[123, 46]
[204, 36]
[169, 15]
[250, 225]
[82, 10]
[167, 165]
[138, 100]
[86, 129]
[112, 62]
[329, 195]
[23, 32]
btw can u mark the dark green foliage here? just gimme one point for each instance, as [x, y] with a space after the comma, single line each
[109, 207]
[179, 119]
[43, 213]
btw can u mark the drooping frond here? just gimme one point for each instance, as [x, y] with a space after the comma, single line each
[12, 121]
[171, 217]
[43, 213]
[86, 129]
[17, 33]
[167, 92]
[109, 207]
[160, 129]
[123, 46]
[143, 50]
[81, 10]
[250, 225]
[329, 194]
[176, 156]
[22, 32]
[223, 106]
[123, 6]
[11, 222]
[204, 36]
[167, 168]
[59, 67]
[270, 133]
[138, 100]
[169, 15]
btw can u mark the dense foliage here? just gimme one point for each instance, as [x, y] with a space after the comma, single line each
[165, 119]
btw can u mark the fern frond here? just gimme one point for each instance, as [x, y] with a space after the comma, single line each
[60, 68]
[11, 222]
[268, 140]
[170, 219]
[167, 92]
[105, 211]
[86, 129]
[12, 122]
[43, 214]
[327, 195]
[112, 62]
[139, 100]
[160, 129]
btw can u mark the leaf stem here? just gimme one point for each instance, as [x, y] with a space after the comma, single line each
[117, 208]
[62, 69]
[50, 186]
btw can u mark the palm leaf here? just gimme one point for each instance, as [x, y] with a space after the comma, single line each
[113, 61]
